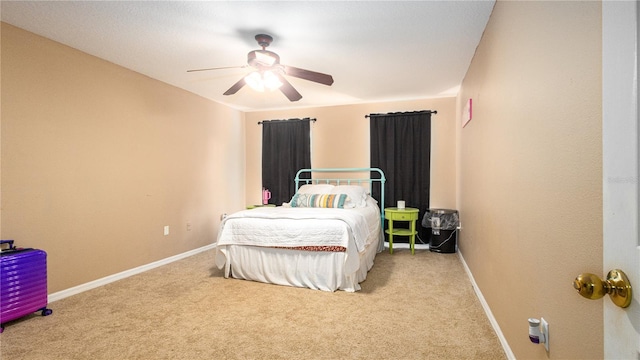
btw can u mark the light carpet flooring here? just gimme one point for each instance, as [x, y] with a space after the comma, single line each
[418, 306]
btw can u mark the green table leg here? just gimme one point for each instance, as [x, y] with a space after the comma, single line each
[390, 236]
[412, 238]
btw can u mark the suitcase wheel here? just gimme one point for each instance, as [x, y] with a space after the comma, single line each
[46, 312]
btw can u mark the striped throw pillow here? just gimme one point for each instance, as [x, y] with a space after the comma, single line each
[319, 200]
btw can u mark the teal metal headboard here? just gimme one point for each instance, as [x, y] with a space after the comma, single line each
[346, 181]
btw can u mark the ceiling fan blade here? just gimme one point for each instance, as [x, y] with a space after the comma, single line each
[219, 68]
[288, 90]
[237, 86]
[308, 75]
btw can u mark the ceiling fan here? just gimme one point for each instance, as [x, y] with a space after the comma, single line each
[269, 73]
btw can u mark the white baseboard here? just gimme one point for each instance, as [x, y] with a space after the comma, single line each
[125, 274]
[487, 310]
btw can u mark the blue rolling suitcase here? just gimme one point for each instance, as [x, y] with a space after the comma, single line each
[23, 283]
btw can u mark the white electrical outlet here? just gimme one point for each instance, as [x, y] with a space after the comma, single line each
[188, 226]
[544, 329]
[166, 230]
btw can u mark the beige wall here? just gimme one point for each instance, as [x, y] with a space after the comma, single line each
[340, 138]
[530, 182]
[97, 159]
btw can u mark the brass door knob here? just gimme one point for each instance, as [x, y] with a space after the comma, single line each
[616, 285]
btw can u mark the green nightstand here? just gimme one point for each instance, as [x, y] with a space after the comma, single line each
[407, 214]
[249, 207]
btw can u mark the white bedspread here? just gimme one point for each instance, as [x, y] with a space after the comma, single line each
[299, 227]
[250, 240]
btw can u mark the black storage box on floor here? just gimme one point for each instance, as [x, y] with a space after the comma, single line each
[443, 224]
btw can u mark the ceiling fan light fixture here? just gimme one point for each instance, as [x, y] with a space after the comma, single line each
[254, 80]
[271, 82]
[264, 58]
[261, 81]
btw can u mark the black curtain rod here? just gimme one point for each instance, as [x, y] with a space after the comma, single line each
[404, 113]
[311, 119]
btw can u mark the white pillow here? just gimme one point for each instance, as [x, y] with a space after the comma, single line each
[357, 195]
[315, 189]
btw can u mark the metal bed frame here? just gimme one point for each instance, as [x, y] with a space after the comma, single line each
[345, 181]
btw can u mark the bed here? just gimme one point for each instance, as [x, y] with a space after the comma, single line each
[325, 238]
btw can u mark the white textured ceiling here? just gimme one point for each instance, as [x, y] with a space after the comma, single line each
[375, 50]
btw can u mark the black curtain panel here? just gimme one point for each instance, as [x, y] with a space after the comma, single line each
[286, 148]
[401, 147]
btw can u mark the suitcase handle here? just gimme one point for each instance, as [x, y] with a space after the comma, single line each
[10, 242]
